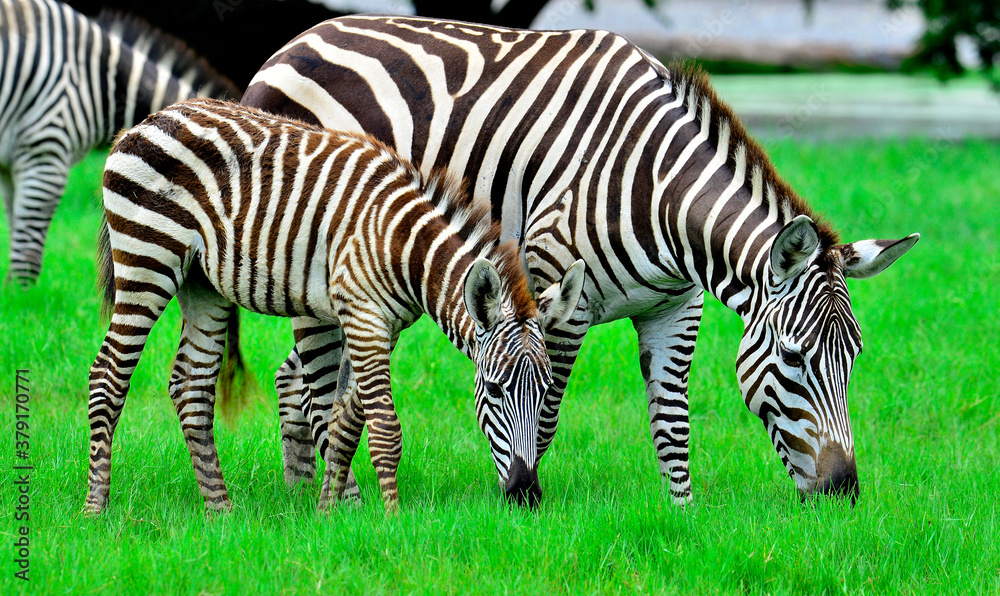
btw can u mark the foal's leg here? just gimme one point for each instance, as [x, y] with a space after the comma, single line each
[140, 299]
[307, 391]
[347, 422]
[369, 344]
[320, 346]
[193, 382]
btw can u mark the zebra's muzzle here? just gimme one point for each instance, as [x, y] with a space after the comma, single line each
[837, 473]
[522, 484]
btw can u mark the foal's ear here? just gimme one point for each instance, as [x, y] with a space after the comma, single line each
[482, 293]
[867, 258]
[795, 245]
[558, 302]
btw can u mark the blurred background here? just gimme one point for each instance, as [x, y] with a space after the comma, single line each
[815, 69]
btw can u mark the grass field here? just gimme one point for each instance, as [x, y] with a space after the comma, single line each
[924, 405]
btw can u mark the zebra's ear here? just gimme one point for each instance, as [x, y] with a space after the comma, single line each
[482, 293]
[558, 302]
[793, 248]
[867, 258]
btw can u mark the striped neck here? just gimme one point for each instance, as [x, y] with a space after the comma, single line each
[444, 237]
[147, 70]
[721, 202]
[441, 295]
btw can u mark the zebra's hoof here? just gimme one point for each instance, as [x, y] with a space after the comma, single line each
[352, 494]
[295, 481]
[325, 506]
[92, 509]
[220, 506]
[681, 500]
[95, 504]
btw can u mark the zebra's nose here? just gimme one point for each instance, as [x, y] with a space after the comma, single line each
[522, 484]
[837, 473]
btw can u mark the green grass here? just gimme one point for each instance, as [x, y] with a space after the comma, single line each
[924, 406]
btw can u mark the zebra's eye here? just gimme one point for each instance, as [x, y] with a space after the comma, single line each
[494, 390]
[792, 359]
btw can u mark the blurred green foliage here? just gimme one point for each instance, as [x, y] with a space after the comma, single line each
[949, 21]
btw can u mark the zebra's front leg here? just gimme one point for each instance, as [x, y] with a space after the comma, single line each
[315, 363]
[38, 184]
[369, 345]
[7, 193]
[347, 422]
[666, 344]
[193, 384]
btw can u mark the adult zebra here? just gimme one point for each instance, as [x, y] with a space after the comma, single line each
[590, 149]
[68, 84]
[220, 204]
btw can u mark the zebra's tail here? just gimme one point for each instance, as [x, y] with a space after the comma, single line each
[105, 269]
[236, 385]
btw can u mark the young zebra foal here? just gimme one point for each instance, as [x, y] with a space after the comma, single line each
[222, 205]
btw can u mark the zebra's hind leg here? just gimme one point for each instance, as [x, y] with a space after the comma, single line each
[38, 184]
[320, 346]
[193, 383]
[135, 312]
[7, 192]
[666, 344]
[298, 451]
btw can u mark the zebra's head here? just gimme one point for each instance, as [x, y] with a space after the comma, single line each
[799, 346]
[513, 371]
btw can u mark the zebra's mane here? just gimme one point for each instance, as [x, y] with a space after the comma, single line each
[473, 217]
[132, 29]
[690, 79]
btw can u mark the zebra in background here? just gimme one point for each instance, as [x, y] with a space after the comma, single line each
[222, 205]
[67, 85]
[588, 148]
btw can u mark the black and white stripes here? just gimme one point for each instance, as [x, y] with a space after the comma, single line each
[68, 84]
[222, 205]
[588, 148]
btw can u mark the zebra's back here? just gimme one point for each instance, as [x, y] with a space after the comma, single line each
[523, 115]
[266, 207]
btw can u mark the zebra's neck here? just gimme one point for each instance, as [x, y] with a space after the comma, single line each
[717, 198]
[439, 294]
[451, 314]
[454, 233]
[147, 70]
